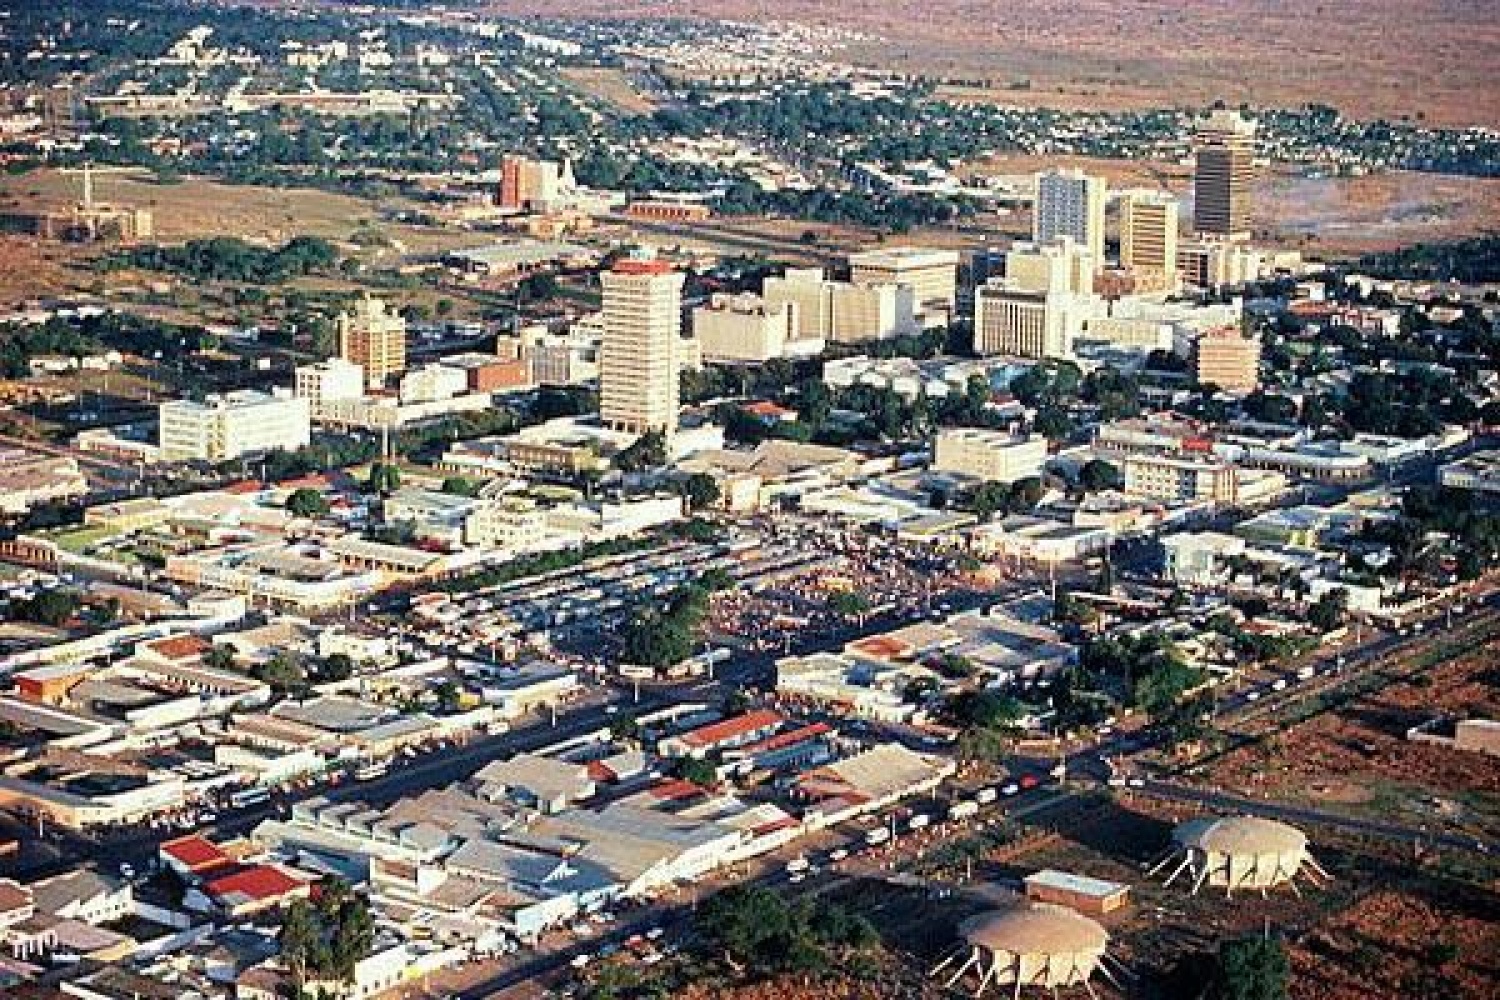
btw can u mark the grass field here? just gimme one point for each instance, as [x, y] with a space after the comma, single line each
[611, 86]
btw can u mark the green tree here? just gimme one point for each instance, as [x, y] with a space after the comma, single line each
[53, 608]
[1327, 612]
[385, 479]
[700, 490]
[460, 486]
[307, 502]
[848, 603]
[699, 772]
[1097, 475]
[649, 451]
[1252, 968]
[220, 657]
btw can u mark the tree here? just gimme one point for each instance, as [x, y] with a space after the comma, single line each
[283, 672]
[460, 487]
[307, 502]
[1327, 612]
[301, 941]
[649, 451]
[53, 608]
[1252, 968]
[848, 603]
[698, 772]
[1097, 475]
[700, 490]
[990, 498]
[220, 657]
[385, 479]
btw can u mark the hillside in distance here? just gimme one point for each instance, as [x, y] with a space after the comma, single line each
[1431, 60]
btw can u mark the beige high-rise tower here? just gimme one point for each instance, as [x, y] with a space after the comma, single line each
[639, 357]
[1225, 171]
[1148, 237]
[373, 338]
[1070, 203]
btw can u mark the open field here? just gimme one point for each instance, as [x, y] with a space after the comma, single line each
[612, 86]
[1356, 758]
[196, 207]
[1379, 58]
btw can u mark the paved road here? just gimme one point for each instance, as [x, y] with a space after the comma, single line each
[1225, 803]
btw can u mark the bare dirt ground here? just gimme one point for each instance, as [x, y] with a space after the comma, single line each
[609, 85]
[1357, 758]
[1378, 58]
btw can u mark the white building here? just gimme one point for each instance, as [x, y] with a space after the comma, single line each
[746, 328]
[640, 360]
[991, 455]
[246, 422]
[329, 380]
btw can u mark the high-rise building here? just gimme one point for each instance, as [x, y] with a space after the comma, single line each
[810, 292]
[374, 338]
[1218, 262]
[639, 360]
[245, 422]
[745, 328]
[538, 185]
[1148, 238]
[1028, 324]
[329, 380]
[1061, 265]
[841, 311]
[1228, 359]
[932, 275]
[1070, 203]
[1223, 175]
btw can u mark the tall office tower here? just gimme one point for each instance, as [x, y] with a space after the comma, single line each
[1070, 203]
[1148, 238]
[1062, 265]
[932, 275]
[373, 338]
[1224, 173]
[639, 358]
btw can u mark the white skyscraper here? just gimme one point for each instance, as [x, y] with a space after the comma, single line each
[639, 358]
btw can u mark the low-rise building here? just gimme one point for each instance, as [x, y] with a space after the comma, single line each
[990, 455]
[223, 427]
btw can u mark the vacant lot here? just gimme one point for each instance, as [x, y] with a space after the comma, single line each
[1378, 58]
[1357, 758]
[612, 86]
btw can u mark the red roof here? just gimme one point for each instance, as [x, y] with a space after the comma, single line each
[788, 739]
[675, 790]
[629, 266]
[244, 486]
[317, 481]
[258, 882]
[180, 647]
[740, 725]
[195, 853]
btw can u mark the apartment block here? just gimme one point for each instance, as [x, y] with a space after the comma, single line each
[931, 274]
[374, 338]
[1228, 359]
[746, 328]
[224, 427]
[1148, 239]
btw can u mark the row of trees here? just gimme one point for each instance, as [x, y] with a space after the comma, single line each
[229, 258]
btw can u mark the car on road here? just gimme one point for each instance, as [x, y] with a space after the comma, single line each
[580, 961]
[1010, 789]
